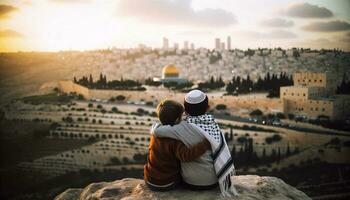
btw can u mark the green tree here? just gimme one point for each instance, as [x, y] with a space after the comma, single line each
[120, 98]
[114, 109]
[220, 107]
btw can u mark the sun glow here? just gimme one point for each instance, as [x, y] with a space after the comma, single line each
[50, 26]
[53, 25]
[86, 29]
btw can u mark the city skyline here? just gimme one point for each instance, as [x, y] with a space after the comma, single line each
[53, 25]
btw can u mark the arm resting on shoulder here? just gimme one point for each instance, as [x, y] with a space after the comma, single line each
[166, 131]
[185, 154]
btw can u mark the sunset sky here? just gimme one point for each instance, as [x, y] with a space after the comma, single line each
[51, 25]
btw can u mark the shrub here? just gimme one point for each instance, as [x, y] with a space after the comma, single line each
[280, 116]
[112, 99]
[291, 116]
[69, 119]
[114, 109]
[120, 98]
[274, 138]
[115, 161]
[256, 112]
[140, 110]
[221, 107]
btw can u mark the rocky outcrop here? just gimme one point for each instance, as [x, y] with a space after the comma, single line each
[249, 187]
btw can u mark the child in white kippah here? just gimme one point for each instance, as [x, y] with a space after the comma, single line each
[196, 103]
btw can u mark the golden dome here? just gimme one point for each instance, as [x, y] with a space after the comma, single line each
[170, 70]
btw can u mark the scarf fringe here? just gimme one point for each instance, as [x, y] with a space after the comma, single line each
[226, 186]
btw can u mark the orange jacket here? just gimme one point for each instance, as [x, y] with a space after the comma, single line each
[164, 156]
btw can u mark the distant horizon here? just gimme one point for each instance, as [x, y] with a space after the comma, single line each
[170, 49]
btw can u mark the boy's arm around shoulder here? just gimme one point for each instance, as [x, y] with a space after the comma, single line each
[185, 154]
[167, 131]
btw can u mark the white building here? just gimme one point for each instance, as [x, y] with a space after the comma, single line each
[228, 42]
[165, 43]
[185, 45]
[192, 46]
[222, 47]
[217, 43]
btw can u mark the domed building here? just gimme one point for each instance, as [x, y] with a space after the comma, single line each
[170, 73]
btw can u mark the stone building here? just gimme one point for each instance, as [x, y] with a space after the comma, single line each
[313, 95]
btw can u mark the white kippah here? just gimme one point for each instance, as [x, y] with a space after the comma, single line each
[195, 96]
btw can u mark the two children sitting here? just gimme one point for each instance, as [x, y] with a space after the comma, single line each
[192, 151]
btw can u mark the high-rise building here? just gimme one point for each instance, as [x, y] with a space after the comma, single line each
[228, 42]
[185, 45]
[222, 47]
[217, 43]
[176, 45]
[192, 46]
[165, 43]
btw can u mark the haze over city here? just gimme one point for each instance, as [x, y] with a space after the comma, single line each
[53, 25]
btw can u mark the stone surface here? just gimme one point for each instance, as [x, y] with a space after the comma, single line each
[250, 187]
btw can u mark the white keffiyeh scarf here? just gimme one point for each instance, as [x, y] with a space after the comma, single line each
[223, 162]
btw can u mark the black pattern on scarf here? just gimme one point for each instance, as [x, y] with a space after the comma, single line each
[208, 124]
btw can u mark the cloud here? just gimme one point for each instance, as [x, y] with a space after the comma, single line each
[306, 10]
[276, 22]
[8, 33]
[330, 26]
[277, 34]
[6, 9]
[174, 13]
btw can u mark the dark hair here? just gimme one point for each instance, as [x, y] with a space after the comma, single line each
[198, 108]
[168, 111]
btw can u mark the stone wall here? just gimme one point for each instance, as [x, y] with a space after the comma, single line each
[67, 86]
[156, 95]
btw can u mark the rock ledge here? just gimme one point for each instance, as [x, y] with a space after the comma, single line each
[249, 187]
